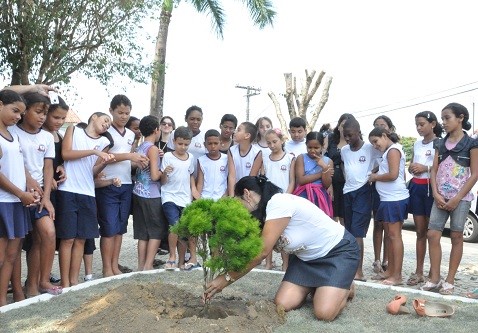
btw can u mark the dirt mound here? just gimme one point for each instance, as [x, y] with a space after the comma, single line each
[161, 307]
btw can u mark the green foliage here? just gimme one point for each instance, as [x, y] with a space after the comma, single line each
[407, 143]
[228, 237]
[46, 41]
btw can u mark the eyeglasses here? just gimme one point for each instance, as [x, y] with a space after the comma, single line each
[227, 128]
[167, 124]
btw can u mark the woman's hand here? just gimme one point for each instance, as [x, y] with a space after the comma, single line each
[60, 170]
[439, 201]
[417, 168]
[214, 287]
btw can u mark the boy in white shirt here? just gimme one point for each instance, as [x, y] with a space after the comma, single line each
[212, 168]
[177, 189]
[297, 131]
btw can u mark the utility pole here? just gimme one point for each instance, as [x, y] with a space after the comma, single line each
[250, 91]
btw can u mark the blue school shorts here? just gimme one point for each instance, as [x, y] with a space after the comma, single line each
[358, 211]
[114, 204]
[90, 246]
[392, 211]
[76, 216]
[421, 199]
[35, 215]
[172, 212]
[14, 220]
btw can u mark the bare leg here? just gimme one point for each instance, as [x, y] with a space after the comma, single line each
[65, 260]
[377, 239]
[142, 246]
[88, 262]
[47, 239]
[329, 302]
[291, 296]
[173, 243]
[116, 254]
[394, 231]
[106, 247]
[285, 260]
[434, 250]
[16, 279]
[359, 273]
[192, 250]
[76, 256]
[421, 227]
[455, 255]
[33, 266]
[8, 256]
[151, 249]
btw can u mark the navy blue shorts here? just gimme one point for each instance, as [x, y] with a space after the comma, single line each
[14, 220]
[336, 269]
[114, 204]
[35, 215]
[90, 246]
[392, 211]
[421, 199]
[172, 212]
[76, 216]
[358, 211]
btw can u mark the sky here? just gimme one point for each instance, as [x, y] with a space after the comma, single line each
[385, 58]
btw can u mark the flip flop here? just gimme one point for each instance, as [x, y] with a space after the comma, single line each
[397, 305]
[415, 279]
[55, 290]
[472, 294]
[432, 309]
[170, 265]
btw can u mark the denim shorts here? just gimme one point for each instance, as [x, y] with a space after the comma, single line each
[172, 212]
[438, 217]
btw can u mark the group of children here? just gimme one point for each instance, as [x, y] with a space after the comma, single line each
[78, 181]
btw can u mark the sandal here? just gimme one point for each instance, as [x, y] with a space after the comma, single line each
[430, 286]
[170, 265]
[472, 294]
[397, 305]
[377, 268]
[432, 309]
[190, 266]
[447, 288]
[415, 279]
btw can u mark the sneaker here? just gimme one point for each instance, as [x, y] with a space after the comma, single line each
[430, 286]
[88, 277]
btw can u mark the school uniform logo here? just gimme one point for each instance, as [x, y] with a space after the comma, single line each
[130, 142]
[222, 168]
[248, 165]
[283, 167]
[41, 148]
[362, 159]
[428, 152]
[97, 147]
[198, 145]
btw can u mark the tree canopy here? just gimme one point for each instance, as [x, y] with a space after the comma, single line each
[45, 41]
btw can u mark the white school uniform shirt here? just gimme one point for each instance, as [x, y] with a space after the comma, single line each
[243, 164]
[266, 151]
[310, 233]
[278, 172]
[296, 148]
[12, 166]
[80, 171]
[196, 147]
[178, 187]
[35, 147]
[423, 154]
[215, 176]
[358, 165]
[123, 143]
[395, 190]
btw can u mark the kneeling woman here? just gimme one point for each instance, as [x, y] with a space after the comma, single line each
[324, 256]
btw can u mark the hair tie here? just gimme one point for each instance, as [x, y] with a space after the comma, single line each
[261, 179]
[278, 131]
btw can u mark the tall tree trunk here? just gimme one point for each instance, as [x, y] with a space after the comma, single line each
[159, 65]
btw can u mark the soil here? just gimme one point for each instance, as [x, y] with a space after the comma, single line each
[160, 307]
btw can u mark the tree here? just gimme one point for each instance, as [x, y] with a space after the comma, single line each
[46, 41]
[407, 143]
[228, 237]
[298, 103]
[260, 11]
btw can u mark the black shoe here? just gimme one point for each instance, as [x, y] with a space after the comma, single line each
[54, 279]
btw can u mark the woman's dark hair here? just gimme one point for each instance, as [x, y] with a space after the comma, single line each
[379, 131]
[211, 132]
[106, 134]
[459, 110]
[183, 132]
[148, 125]
[386, 119]
[191, 109]
[431, 117]
[10, 97]
[262, 186]
[314, 135]
[336, 133]
[130, 121]
[229, 117]
[168, 117]
[34, 97]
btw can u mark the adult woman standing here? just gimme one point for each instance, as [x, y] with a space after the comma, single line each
[334, 143]
[325, 256]
[167, 126]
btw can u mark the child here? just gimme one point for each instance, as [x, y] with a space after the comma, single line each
[279, 167]
[148, 217]
[453, 174]
[314, 173]
[421, 197]
[392, 211]
[228, 127]
[85, 154]
[177, 189]
[244, 158]
[114, 202]
[379, 236]
[212, 168]
[358, 160]
[38, 149]
[297, 131]
[133, 125]
[263, 124]
[14, 196]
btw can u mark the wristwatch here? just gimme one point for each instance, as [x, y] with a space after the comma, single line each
[228, 277]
